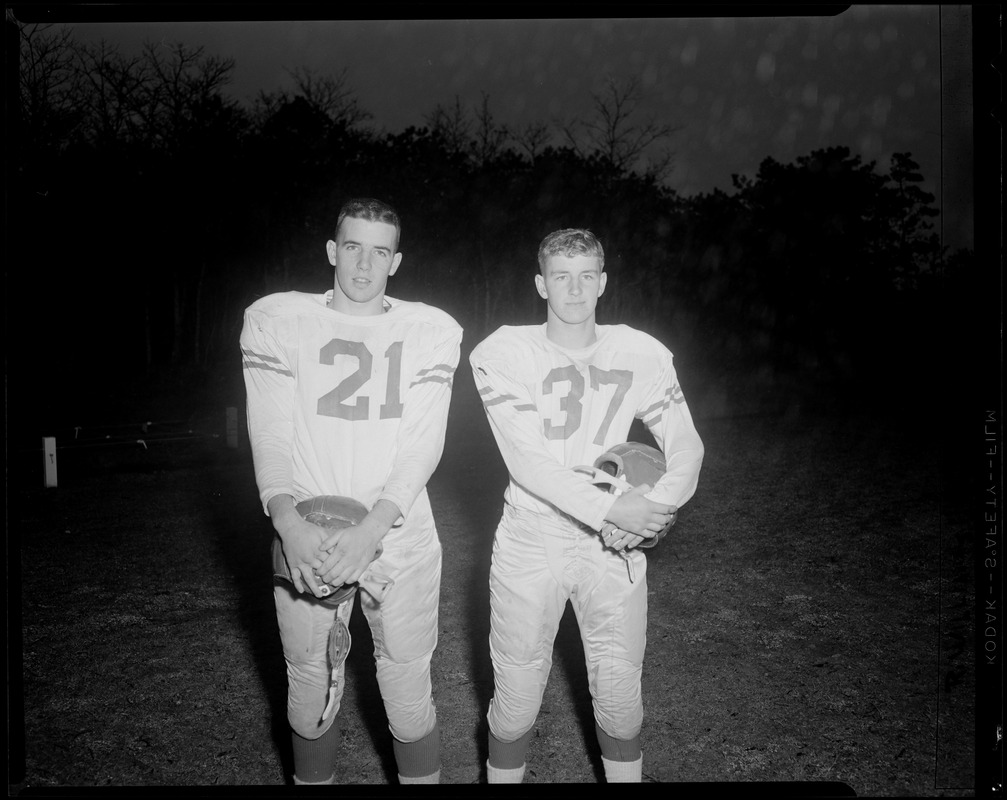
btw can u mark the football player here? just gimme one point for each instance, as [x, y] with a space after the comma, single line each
[557, 396]
[348, 394]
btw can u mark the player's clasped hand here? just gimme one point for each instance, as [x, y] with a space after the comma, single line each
[348, 552]
[635, 518]
[635, 513]
[300, 547]
[617, 539]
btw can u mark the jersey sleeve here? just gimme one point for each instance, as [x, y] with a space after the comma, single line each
[420, 440]
[517, 427]
[269, 388]
[667, 417]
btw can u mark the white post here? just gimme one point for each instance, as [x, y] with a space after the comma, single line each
[232, 426]
[49, 460]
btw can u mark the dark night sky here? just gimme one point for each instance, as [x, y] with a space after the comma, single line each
[878, 79]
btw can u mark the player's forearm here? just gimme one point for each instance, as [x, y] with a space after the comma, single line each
[421, 444]
[269, 387]
[678, 484]
[270, 435]
[685, 476]
[273, 473]
[282, 513]
[560, 486]
[383, 516]
[409, 477]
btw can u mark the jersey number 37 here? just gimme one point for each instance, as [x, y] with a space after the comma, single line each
[572, 402]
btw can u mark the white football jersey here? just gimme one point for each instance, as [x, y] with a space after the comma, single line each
[347, 405]
[552, 409]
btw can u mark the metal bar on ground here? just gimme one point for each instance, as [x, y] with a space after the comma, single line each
[49, 460]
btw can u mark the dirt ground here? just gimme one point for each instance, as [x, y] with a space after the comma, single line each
[810, 622]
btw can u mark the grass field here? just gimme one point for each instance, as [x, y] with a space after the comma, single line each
[810, 620]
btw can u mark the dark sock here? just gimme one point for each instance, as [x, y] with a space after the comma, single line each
[618, 749]
[315, 759]
[421, 758]
[509, 755]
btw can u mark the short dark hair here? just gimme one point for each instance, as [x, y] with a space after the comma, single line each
[371, 210]
[570, 242]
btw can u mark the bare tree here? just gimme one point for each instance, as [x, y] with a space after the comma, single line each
[180, 84]
[265, 105]
[490, 138]
[49, 85]
[615, 131]
[156, 98]
[331, 95]
[532, 139]
[113, 86]
[328, 94]
[453, 125]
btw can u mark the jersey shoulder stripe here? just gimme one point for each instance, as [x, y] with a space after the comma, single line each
[439, 373]
[252, 360]
[491, 397]
[651, 416]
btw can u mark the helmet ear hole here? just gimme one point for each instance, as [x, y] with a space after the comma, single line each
[610, 464]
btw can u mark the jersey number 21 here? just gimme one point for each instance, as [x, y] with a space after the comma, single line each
[336, 403]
